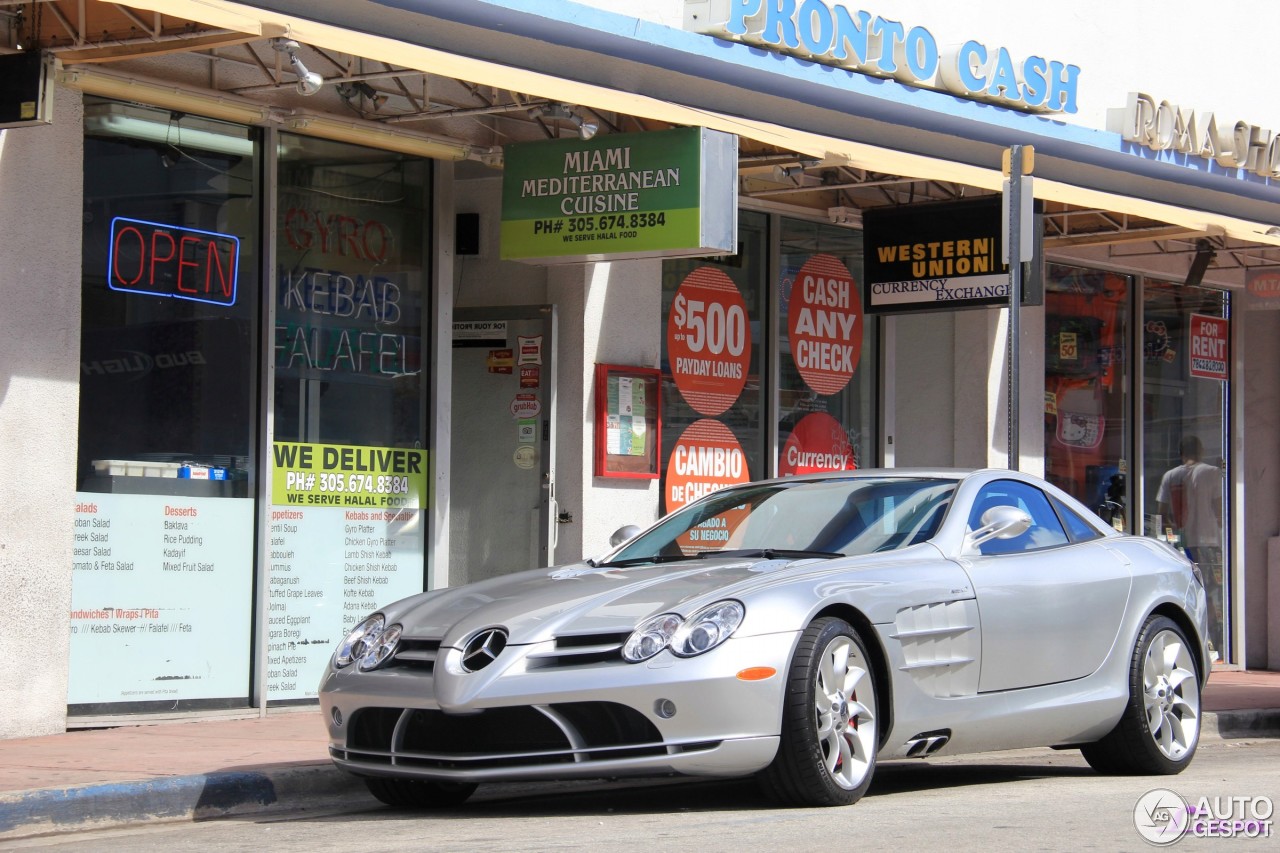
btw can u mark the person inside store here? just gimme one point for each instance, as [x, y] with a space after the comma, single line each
[1190, 496]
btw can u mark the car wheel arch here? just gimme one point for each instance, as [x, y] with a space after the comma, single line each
[1180, 618]
[879, 660]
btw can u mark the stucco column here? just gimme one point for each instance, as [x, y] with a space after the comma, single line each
[39, 410]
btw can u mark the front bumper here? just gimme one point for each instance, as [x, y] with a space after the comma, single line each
[516, 720]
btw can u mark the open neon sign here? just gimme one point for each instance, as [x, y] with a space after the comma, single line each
[166, 260]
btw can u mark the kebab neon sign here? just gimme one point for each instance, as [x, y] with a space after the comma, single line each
[154, 259]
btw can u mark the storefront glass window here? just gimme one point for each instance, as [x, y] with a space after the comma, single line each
[826, 393]
[163, 566]
[713, 313]
[1184, 399]
[349, 471]
[1087, 435]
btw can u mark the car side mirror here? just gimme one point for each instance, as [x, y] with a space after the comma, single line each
[622, 534]
[999, 522]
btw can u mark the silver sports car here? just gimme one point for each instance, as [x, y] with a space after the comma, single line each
[798, 629]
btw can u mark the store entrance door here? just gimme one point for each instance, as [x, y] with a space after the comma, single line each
[502, 506]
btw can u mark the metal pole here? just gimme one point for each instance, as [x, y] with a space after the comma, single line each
[1013, 204]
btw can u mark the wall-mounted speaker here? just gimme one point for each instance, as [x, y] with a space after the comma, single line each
[26, 89]
[466, 234]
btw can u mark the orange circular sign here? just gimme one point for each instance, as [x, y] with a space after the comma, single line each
[706, 458]
[1265, 284]
[825, 324]
[708, 341]
[818, 443]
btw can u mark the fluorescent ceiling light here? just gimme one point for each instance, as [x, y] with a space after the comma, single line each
[187, 132]
[166, 95]
[374, 135]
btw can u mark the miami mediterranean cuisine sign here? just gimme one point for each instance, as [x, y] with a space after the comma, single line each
[665, 194]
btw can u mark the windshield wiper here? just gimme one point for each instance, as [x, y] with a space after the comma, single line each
[771, 554]
[640, 561]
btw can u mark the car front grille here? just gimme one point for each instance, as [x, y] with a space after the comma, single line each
[525, 736]
[579, 650]
[412, 653]
[570, 650]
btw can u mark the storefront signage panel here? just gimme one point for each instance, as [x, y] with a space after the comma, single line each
[161, 599]
[709, 341]
[824, 324]
[833, 34]
[346, 476]
[1263, 287]
[931, 257]
[706, 458]
[154, 259]
[346, 538]
[333, 322]
[1170, 127]
[665, 194]
[819, 443]
[1209, 337]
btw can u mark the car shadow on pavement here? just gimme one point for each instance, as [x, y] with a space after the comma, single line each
[678, 794]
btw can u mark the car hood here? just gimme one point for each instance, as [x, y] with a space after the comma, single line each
[534, 606]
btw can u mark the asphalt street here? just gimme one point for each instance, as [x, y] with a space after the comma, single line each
[1025, 800]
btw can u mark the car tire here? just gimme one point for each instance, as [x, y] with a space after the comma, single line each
[419, 793]
[1160, 729]
[830, 732]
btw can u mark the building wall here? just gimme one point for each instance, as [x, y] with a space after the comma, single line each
[610, 313]
[39, 403]
[951, 389]
[1260, 341]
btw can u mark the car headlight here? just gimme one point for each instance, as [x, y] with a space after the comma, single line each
[707, 628]
[701, 632]
[370, 643]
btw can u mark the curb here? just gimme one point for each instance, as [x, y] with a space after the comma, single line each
[1232, 725]
[205, 796]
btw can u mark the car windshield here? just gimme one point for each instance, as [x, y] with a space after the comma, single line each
[790, 519]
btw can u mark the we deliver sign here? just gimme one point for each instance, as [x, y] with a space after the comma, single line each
[1209, 346]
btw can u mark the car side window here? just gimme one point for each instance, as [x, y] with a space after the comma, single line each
[1079, 529]
[1045, 531]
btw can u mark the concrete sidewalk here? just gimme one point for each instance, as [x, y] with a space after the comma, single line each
[214, 767]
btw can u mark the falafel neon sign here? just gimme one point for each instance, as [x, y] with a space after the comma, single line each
[832, 34]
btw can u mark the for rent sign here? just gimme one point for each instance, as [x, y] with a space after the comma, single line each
[1209, 346]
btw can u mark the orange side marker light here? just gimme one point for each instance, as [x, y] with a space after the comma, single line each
[757, 673]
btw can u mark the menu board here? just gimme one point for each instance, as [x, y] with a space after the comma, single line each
[160, 598]
[346, 538]
[330, 568]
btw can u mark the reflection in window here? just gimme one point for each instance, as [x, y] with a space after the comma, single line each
[352, 294]
[170, 296]
[713, 314]
[1185, 436]
[1085, 420]
[826, 388]
[1045, 530]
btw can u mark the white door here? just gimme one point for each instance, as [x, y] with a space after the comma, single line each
[502, 483]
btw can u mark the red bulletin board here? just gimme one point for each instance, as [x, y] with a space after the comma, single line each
[628, 421]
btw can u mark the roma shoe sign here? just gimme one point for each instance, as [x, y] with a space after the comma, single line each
[665, 194]
[832, 34]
